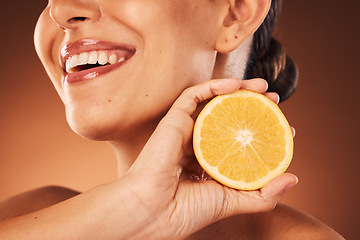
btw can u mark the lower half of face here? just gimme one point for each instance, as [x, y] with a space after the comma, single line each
[172, 53]
[133, 97]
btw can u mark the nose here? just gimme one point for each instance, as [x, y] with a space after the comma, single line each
[70, 14]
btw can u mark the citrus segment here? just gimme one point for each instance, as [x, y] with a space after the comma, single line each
[243, 140]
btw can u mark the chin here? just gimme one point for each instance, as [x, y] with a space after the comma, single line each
[102, 127]
[94, 128]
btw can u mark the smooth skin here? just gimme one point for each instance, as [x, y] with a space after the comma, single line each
[158, 209]
[155, 97]
[142, 205]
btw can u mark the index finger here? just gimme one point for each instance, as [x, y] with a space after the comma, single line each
[191, 97]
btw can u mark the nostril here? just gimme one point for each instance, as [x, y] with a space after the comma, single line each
[77, 19]
[68, 14]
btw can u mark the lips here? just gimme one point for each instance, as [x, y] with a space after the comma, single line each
[86, 59]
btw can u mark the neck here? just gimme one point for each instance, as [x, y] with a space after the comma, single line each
[233, 64]
[129, 145]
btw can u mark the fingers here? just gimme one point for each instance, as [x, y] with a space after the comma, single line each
[191, 101]
[265, 199]
[192, 96]
[293, 131]
[278, 186]
[273, 97]
[258, 85]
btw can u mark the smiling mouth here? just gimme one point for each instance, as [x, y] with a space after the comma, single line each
[89, 58]
[93, 59]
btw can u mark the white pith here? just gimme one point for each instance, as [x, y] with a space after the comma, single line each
[93, 57]
[245, 136]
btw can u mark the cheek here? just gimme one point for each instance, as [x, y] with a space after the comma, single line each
[46, 36]
[177, 43]
[162, 23]
[178, 38]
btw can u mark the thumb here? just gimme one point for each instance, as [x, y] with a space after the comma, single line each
[163, 151]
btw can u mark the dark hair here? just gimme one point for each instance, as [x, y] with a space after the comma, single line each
[268, 59]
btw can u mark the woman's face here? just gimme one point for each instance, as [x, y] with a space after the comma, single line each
[156, 48]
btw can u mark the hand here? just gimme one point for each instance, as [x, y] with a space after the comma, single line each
[180, 206]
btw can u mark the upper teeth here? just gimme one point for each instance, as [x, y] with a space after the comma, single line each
[93, 57]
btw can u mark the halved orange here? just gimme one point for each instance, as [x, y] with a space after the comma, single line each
[243, 140]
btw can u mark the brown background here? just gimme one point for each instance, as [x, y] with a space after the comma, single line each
[37, 147]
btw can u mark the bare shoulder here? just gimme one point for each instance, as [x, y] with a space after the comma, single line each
[282, 223]
[34, 200]
[285, 222]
